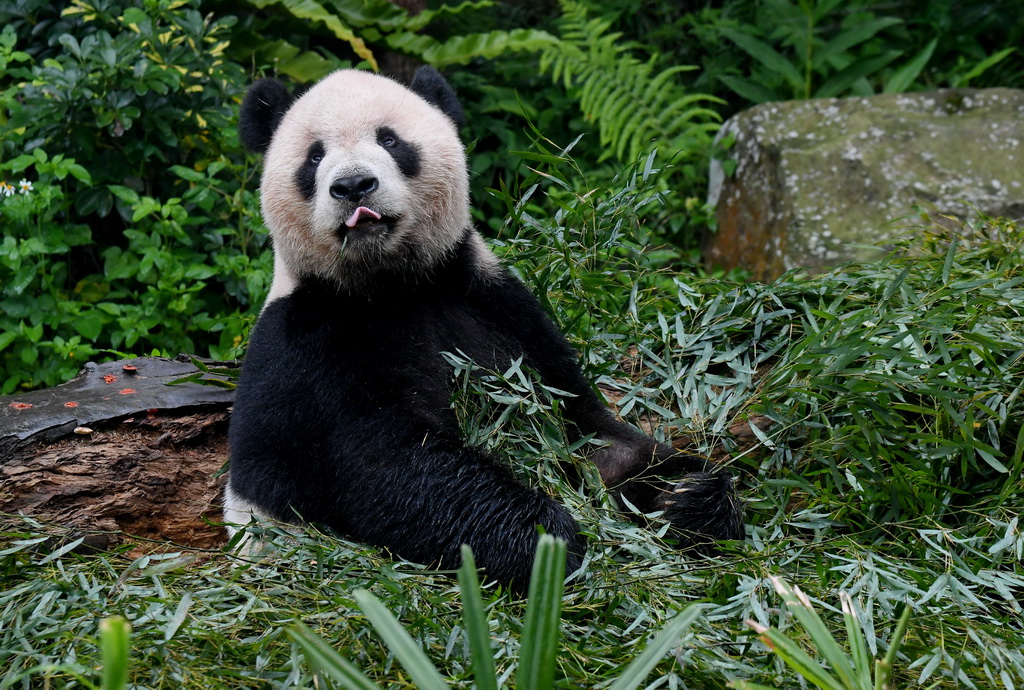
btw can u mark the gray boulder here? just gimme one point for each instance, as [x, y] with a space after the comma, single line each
[822, 182]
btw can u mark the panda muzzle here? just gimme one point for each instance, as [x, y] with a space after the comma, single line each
[362, 216]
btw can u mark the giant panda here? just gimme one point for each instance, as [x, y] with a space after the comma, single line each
[343, 412]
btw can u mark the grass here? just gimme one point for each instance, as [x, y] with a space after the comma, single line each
[888, 479]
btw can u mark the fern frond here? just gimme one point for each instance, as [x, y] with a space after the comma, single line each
[461, 49]
[631, 102]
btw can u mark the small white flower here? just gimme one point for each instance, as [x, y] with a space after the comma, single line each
[6, 189]
[25, 186]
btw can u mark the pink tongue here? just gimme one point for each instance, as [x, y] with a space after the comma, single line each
[358, 215]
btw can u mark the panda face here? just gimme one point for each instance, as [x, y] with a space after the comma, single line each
[362, 174]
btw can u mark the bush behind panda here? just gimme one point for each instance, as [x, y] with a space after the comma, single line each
[343, 412]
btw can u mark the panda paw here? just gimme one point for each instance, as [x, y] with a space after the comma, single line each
[703, 509]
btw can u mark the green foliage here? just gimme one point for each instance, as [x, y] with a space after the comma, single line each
[115, 640]
[852, 671]
[134, 229]
[632, 104]
[882, 465]
[824, 509]
[827, 48]
[364, 24]
[540, 633]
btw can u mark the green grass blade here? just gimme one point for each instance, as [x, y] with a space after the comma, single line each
[324, 658]
[947, 265]
[539, 644]
[408, 653]
[983, 66]
[884, 667]
[858, 649]
[796, 658]
[115, 642]
[904, 77]
[800, 606]
[475, 619]
[638, 670]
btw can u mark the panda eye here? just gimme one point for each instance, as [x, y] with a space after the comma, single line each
[387, 138]
[315, 154]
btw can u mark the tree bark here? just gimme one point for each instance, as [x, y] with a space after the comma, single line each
[117, 451]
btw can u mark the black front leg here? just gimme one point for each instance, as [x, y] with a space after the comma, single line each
[698, 500]
[700, 503]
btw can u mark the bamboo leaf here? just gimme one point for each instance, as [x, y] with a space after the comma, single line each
[800, 606]
[638, 670]
[855, 636]
[796, 658]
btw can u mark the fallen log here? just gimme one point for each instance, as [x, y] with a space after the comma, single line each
[118, 451]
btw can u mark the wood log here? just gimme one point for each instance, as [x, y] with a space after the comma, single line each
[117, 450]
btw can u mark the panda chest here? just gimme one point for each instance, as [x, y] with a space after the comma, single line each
[400, 342]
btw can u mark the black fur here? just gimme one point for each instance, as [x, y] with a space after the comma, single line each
[406, 153]
[264, 105]
[343, 411]
[305, 174]
[432, 87]
[342, 416]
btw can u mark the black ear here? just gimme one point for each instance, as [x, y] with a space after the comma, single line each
[262, 109]
[431, 86]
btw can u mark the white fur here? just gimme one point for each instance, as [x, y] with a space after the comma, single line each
[345, 111]
[284, 281]
[238, 512]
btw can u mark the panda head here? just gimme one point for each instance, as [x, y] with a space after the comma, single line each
[360, 175]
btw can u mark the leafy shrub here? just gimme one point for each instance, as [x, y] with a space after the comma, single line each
[139, 232]
[782, 49]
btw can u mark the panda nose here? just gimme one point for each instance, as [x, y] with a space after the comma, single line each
[353, 188]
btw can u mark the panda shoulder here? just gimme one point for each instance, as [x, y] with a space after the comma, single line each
[485, 265]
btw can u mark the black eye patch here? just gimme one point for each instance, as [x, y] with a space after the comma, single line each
[305, 175]
[405, 153]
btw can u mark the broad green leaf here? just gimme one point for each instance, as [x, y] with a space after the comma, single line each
[748, 89]
[539, 644]
[848, 38]
[326, 659]
[475, 619]
[767, 56]
[310, 9]
[115, 642]
[89, 324]
[902, 78]
[983, 66]
[839, 83]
